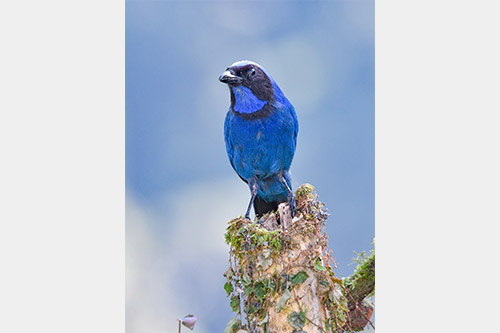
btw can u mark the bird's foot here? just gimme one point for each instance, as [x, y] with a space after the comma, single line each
[291, 204]
[252, 182]
[261, 221]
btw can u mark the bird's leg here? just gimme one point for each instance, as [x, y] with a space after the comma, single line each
[252, 182]
[291, 197]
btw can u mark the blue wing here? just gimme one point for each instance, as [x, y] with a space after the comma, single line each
[296, 125]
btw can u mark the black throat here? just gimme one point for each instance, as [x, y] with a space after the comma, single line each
[262, 113]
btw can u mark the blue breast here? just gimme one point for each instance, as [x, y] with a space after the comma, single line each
[263, 146]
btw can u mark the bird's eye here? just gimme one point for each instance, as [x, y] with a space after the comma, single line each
[251, 72]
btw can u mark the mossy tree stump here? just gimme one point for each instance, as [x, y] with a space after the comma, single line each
[281, 278]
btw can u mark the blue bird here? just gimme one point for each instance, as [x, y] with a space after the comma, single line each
[260, 132]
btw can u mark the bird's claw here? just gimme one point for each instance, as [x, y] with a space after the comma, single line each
[291, 204]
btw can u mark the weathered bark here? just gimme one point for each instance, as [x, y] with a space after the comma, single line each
[281, 278]
[358, 286]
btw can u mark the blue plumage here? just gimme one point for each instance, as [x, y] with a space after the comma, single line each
[260, 131]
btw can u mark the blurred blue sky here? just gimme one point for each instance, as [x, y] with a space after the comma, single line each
[180, 187]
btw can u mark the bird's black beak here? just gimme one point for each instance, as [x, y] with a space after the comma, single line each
[230, 78]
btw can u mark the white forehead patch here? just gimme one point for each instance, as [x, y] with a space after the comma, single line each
[244, 63]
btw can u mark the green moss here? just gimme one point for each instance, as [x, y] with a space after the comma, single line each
[305, 189]
[362, 282]
[247, 238]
